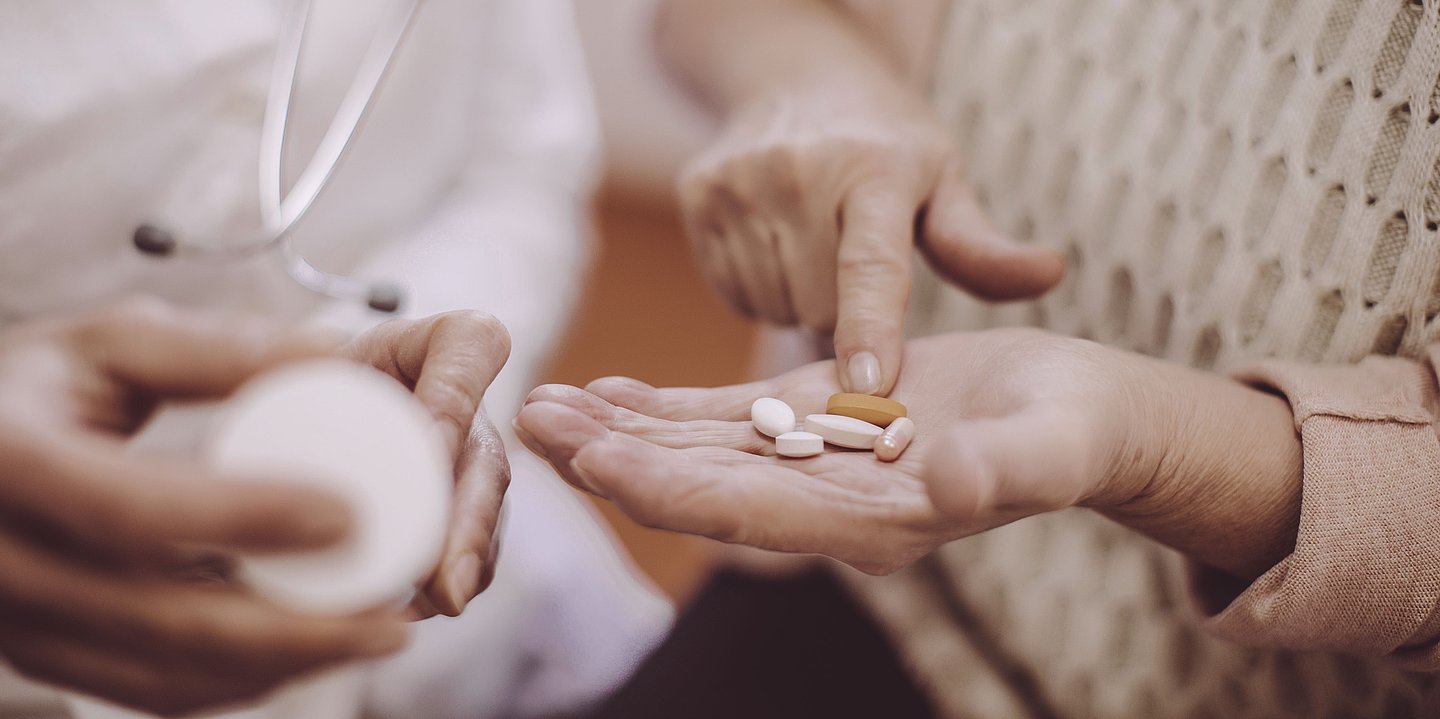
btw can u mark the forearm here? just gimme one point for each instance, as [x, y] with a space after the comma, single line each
[734, 51]
[1222, 482]
[1355, 573]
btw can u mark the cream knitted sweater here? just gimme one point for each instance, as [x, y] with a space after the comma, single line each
[1233, 181]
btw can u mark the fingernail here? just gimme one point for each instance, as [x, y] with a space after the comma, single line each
[464, 579]
[528, 440]
[864, 373]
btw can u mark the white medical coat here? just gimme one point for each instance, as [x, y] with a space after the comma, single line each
[468, 183]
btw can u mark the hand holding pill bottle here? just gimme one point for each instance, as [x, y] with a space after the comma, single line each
[448, 361]
[130, 550]
[109, 574]
[982, 429]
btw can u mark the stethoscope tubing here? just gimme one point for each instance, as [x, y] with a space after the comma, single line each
[282, 212]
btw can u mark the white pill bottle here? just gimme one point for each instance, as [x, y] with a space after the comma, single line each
[361, 435]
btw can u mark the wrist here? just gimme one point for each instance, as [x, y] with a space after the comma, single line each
[1132, 430]
[1212, 468]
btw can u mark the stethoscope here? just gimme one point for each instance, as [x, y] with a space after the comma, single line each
[281, 214]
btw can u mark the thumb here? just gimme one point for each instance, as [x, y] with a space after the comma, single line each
[963, 245]
[873, 285]
[1031, 462]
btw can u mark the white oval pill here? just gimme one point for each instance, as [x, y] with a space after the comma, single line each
[772, 417]
[354, 431]
[843, 431]
[892, 443]
[799, 444]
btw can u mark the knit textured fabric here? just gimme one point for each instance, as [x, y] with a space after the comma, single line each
[1234, 182]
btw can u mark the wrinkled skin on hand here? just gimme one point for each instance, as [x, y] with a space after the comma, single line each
[807, 209]
[1010, 423]
[448, 361]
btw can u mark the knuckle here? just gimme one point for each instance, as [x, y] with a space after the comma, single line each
[788, 158]
[726, 202]
[487, 442]
[872, 158]
[494, 446]
[785, 167]
[706, 227]
[866, 260]
[693, 190]
[477, 326]
[869, 328]
[455, 397]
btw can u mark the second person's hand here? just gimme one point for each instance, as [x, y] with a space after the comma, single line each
[689, 459]
[1010, 423]
[99, 545]
[448, 361]
[806, 211]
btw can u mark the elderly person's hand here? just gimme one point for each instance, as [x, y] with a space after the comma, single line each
[1010, 423]
[98, 544]
[830, 168]
[808, 208]
[448, 361]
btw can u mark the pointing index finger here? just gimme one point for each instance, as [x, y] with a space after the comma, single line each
[873, 283]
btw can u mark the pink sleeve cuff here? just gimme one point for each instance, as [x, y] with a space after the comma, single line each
[1364, 577]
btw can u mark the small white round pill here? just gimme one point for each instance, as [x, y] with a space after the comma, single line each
[843, 431]
[895, 439]
[799, 444]
[772, 417]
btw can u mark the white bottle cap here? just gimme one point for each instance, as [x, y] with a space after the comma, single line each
[354, 431]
